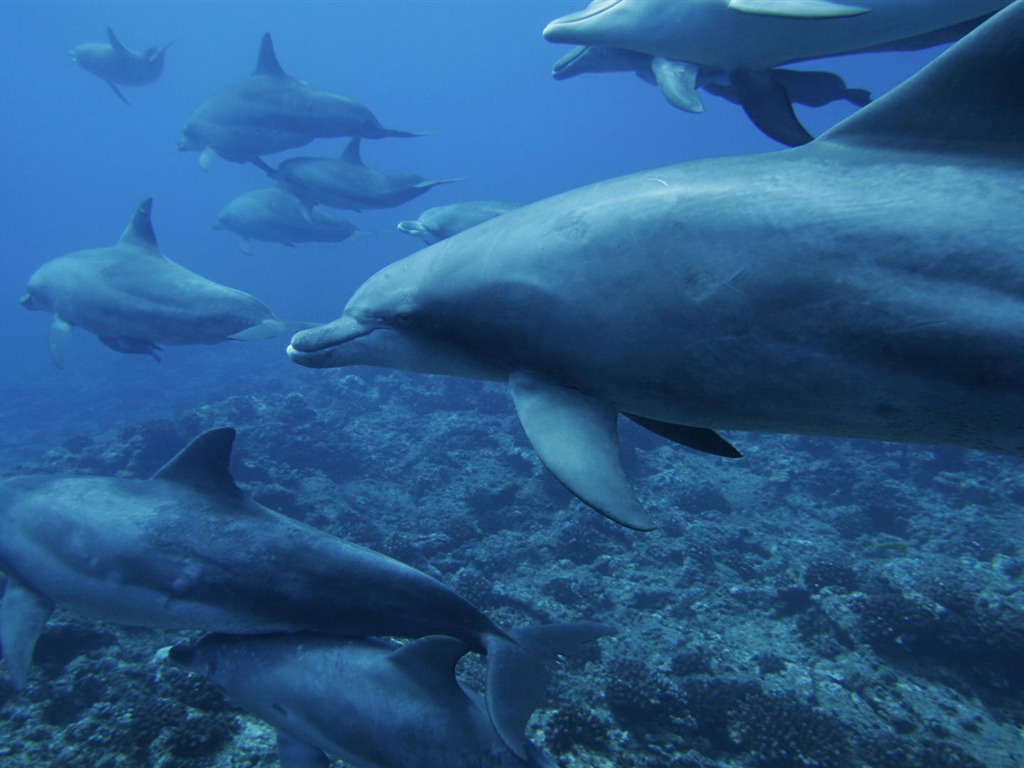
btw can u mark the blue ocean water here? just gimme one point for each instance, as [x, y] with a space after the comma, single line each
[475, 78]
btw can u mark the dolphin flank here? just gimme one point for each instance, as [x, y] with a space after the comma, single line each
[869, 284]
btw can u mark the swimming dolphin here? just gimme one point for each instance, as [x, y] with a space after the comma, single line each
[271, 111]
[187, 549]
[117, 65]
[869, 284]
[276, 215]
[134, 298]
[439, 223]
[346, 182]
[679, 81]
[372, 704]
[745, 39]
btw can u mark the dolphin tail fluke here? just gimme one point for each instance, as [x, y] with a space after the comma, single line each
[23, 614]
[769, 107]
[156, 53]
[519, 669]
[117, 92]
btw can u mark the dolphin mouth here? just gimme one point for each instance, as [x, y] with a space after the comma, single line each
[410, 227]
[560, 69]
[318, 347]
[554, 30]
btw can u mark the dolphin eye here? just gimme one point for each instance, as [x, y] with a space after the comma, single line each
[403, 318]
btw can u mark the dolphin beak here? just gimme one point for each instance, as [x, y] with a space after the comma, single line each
[319, 347]
[557, 30]
[561, 70]
[410, 227]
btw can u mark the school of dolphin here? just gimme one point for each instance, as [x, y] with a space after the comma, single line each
[868, 283]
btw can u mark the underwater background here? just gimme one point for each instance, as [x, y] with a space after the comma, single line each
[819, 603]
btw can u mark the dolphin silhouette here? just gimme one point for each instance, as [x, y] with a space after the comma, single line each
[187, 549]
[372, 704]
[271, 111]
[117, 65]
[869, 284]
[742, 41]
[134, 298]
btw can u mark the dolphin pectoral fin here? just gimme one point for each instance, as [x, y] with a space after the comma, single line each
[697, 438]
[577, 439]
[117, 92]
[678, 83]
[519, 669]
[206, 158]
[768, 106]
[245, 245]
[132, 346]
[798, 9]
[293, 753]
[60, 330]
[23, 614]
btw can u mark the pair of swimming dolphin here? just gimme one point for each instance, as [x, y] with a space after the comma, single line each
[117, 65]
[740, 44]
[187, 549]
[869, 284]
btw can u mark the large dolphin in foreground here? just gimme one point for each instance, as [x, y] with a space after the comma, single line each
[742, 41]
[134, 298]
[372, 704]
[271, 111]
[346, 181]
[187, 549]
[869, 284]
[117, 65]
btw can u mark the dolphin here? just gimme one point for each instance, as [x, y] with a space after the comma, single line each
[187, 549]
[276, 215]
[346, 182]
[271, 111]
[869, 284]
[439, 223]
[679, 81]
[117, 65]
[372, 704]
[744, 40]
[134, 298]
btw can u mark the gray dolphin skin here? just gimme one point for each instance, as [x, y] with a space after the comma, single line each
[440, 223]
[869, 285]
[187, 549]
[276, 215]
[346, 182]
[742, 41]
[134, 298]
[374, 705]
[117, 65]
[271, 111]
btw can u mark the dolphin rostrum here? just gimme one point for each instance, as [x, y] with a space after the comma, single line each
[372, 704]
[276, 215]
[188, 549]
[117, 65]
[271, 111]
[134, 298]
[440, 223]
[346, 181]
[869, 284]
[742, 41]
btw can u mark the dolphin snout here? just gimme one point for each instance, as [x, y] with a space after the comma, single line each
[555, 31]
[318, 347]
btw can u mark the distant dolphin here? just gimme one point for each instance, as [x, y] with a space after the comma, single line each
[276, 215]
[870, 284]
[346, 182]
[440, 223]
[188, 550]
[679, 81]
[372, 704]
[271, 111]
[116, 65]
[745, 40]
[134, 298]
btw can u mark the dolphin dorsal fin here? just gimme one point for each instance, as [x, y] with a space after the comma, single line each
[430, 660]
[968, 101]
[352, 153]
[266, 62]
[115, 43]
[204, 464]
[139, 231]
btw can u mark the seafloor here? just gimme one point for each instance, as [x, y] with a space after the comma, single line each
[818, 603]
